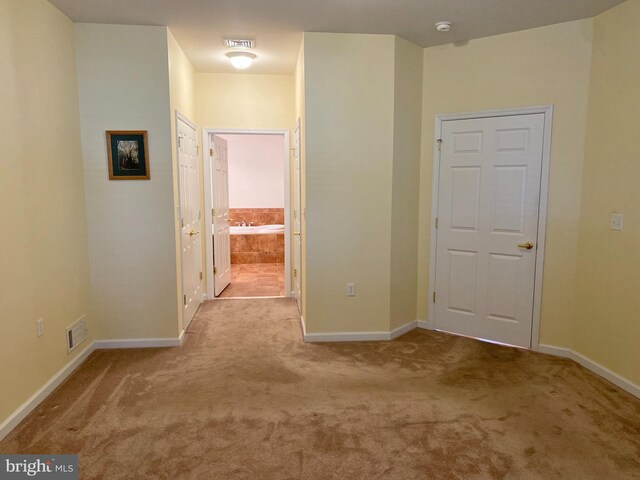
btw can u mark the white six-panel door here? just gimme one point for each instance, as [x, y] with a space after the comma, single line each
[189, 184]
[297, 217]
[221, 232]
[488, 207]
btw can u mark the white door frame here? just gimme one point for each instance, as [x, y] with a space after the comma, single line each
[207, 200]
[547, 110]
[298, 180]
[183, 118]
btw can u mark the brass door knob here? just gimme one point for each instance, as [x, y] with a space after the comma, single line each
[527, 245]
[297, 234]
[193, 233]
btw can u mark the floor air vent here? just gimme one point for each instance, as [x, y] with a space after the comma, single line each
[76, 334]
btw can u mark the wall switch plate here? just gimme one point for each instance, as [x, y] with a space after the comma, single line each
[617, 221]
[351, 289]
[40, 327]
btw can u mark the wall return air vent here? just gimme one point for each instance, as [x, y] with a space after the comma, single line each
[237, 43]
[76, 334]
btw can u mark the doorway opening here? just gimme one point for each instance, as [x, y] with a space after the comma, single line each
[246, 188]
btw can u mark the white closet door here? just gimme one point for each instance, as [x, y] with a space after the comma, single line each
[189, 184]
[489, 194]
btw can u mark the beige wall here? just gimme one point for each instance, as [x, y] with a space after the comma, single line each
[44, 260]
[548, 65]
[406, 182]
[607, 323]
[349, 113]
[240, 100]
[131, 223]
[182, 100]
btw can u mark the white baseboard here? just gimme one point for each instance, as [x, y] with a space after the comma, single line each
[358, 336]
[138, 343]
[27, 407]
[303, 327]
[403, 329]
[595, 367]
[424, 324]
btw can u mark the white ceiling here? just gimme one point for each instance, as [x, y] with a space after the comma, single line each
[277, 25]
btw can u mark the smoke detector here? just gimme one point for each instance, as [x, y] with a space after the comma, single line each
[238, 43]
[443, 26]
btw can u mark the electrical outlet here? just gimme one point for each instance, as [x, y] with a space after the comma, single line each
[40, 327]
[617, 221]
[351, 289]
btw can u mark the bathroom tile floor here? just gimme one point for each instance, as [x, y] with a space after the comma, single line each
[255, 280]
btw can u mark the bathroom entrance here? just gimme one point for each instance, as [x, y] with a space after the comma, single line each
[247, 195]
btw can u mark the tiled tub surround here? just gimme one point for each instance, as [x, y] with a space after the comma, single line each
[256, 216]
[257, 248]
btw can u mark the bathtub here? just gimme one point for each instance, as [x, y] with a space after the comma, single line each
[259, 244]
[257, 230]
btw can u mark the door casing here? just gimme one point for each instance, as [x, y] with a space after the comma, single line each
[296, 239]
[207, 133]
[547, 110]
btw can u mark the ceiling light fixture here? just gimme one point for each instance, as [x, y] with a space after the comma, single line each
[443, 26]
[241, 60]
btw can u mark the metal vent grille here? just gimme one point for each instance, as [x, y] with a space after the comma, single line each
[236, 43]
[76, 334]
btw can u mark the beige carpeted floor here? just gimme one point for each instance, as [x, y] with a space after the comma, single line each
[244, 398]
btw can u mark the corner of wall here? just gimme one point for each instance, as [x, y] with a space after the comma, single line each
[407, 129]
[132, 274]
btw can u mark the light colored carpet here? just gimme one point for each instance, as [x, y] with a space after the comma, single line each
[244, 398]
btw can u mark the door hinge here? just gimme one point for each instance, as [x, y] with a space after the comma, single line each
[436, 223]
[182, 220]
[434, 297]
[200, 275]
[215, 270]
[211, 152]
[295, 273]
[197, 149]
[213, 212]
[439, 144]
[184, 299]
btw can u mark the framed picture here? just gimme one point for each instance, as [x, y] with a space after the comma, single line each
[128, 153]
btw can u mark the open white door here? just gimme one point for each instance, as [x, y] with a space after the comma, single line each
[489, 197]
[297, 218]
[189, 185]
[221, 234]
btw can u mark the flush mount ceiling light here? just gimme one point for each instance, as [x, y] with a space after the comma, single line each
[443, 26]
[241, 60]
